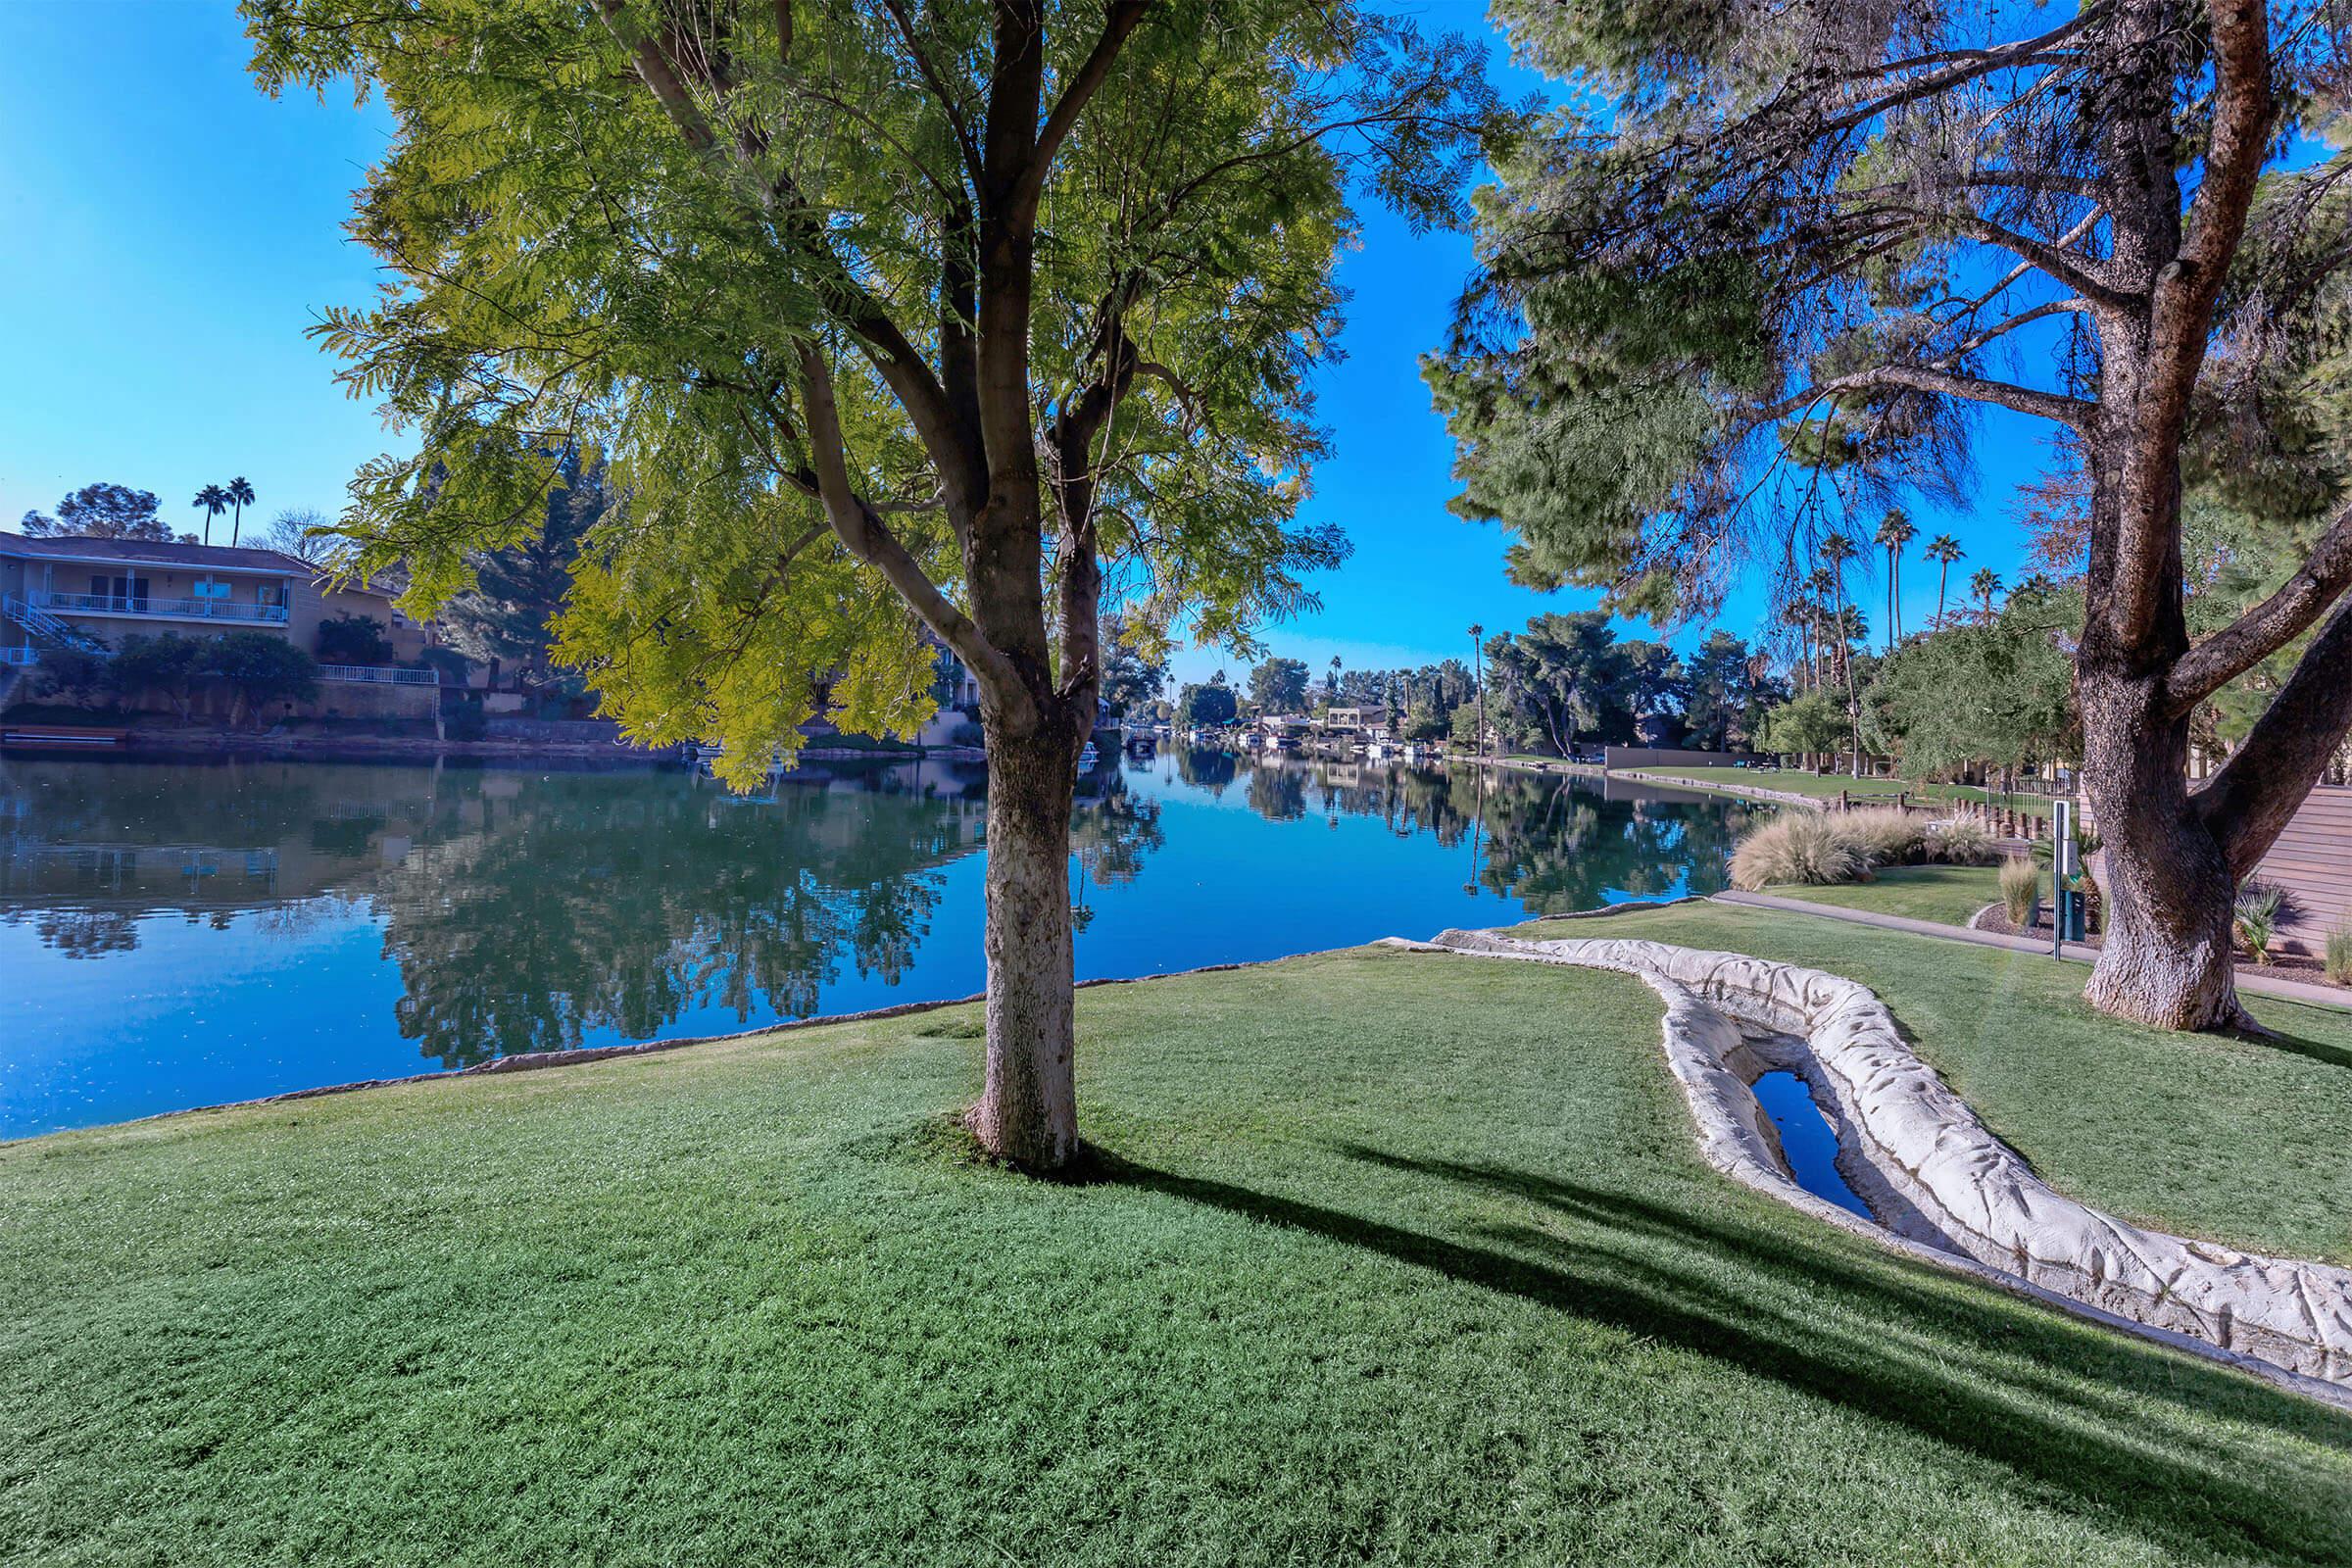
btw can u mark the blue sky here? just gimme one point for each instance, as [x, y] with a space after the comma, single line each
[170, 237]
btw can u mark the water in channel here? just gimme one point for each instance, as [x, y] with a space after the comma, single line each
[1807, 1139]
[177, 934]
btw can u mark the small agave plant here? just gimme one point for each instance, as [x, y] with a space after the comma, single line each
[2257, 918]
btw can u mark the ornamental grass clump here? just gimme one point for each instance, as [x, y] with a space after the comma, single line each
[2337, 964]
[2021, 891]
[1963, 841]
[1802, 847]
[1885, 836]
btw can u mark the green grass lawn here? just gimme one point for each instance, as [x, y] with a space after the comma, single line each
[1796, 781]
[1945, 893]
[2242, 1142]
[1388, 1257]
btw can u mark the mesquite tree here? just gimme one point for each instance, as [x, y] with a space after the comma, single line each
[1884, 218]
[884, 318]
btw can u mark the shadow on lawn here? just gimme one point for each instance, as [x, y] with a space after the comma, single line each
[2190, 1488]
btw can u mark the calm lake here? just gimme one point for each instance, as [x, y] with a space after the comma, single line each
[184, 933]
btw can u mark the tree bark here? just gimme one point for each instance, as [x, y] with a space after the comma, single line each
[2167, 958]
[1028, 1110]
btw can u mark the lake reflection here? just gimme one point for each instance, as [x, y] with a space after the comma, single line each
[176, 934]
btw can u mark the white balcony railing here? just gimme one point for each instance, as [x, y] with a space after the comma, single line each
[20, 655]
[379, 675]
[168, 608]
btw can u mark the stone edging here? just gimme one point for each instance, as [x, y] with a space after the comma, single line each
[1946, 1190]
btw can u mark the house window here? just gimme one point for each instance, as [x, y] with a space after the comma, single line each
[212, 590]
[119, 593]
[271, 593]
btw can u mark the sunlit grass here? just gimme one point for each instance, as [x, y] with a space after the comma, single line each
[1385, 1257]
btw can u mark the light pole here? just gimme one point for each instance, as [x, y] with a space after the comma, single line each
[1478, 679]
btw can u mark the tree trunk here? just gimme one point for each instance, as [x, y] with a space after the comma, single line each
[2167, 958]
[1028, 1110]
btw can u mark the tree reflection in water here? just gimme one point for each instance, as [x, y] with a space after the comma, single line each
[540, 909]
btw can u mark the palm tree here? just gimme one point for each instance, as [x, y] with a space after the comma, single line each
[213, 501]
[1894, 533]
[1837, 550]
[240, 496]
[1478, 679]
[1985, 584]
[1332, 685]
[1943, 550]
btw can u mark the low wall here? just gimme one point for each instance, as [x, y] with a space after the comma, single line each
[571, 731]
[1673, 757]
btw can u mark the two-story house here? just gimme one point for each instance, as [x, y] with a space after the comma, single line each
[99, 590]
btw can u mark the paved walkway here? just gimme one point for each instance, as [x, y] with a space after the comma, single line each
[2261, 985]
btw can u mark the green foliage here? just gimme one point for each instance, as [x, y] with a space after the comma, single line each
[1726, 692]
[2000, 692]
[1463, 730]
[1095, 368]
[101, 512]
[261, 670]
[1135, 667]
[1278, 685]
[167, 665]
[1567, 678]
[352, 640]
[2336, 961]
[1807, 724]
[1210, 704]
[507, 613]
[76, 673]
[2255, 918]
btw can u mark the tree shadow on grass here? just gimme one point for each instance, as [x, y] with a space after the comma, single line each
[2318, 1051]
[2112, 1364]
[2193, 1493]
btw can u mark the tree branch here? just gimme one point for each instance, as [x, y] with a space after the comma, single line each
[866, 537]
[2258, 790]
[2072, 412]
[2268, 626]
[1120, 19]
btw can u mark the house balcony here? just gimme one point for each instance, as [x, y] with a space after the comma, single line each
[242, 612]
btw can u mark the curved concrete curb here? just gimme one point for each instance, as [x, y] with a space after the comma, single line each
[1941, 1185]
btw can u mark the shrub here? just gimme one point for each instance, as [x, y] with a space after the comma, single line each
[262, 670]
[1963, 841]
[1885, 836]
[352, 640]
[2256, 918]
[74, 673]
[2021, 891]
[2337, 964]
[1797, 845]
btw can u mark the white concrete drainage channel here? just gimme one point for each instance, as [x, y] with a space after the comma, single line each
[1937, 1183]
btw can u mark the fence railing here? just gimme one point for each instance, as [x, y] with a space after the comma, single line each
[20, 655]
[176, 609]
[379, 675]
